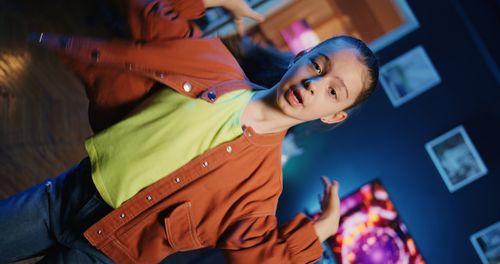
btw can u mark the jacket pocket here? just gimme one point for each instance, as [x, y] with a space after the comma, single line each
[180, 229]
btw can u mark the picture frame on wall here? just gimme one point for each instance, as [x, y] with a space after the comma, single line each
[456, 158]
[486, 242]
[408, 76]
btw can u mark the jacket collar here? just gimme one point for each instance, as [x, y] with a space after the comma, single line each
[269, 139]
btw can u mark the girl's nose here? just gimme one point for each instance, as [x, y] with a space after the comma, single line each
[307, 84]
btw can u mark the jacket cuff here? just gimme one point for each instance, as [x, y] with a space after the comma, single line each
[303, 243]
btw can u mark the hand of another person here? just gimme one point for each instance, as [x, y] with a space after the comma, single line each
[328, 222]
[239, 9]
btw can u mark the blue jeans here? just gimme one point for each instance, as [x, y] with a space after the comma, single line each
[49, 219]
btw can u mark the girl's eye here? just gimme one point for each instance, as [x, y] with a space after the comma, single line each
[333, 92]
[316, 67]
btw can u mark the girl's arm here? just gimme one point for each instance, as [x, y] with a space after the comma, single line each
[171, 19]
[163, 19]
[259, 240]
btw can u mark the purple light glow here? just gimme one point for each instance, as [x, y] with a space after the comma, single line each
[371, 232]
[376, 246]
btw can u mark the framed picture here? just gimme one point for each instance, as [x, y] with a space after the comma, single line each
[371, 231]
[409, 24]
[456, 158]
[408, 75]
[487, 244]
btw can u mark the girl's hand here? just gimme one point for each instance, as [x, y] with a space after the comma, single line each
[328, 223]
[239, 9]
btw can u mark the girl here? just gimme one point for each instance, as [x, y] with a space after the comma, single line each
[186, 152]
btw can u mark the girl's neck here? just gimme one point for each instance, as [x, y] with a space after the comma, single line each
[264, 116]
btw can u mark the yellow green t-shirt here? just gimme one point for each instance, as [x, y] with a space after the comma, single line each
[160, 138]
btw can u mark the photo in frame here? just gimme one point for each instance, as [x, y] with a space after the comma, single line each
[486, 242]
[408, 76]
[456, 158]
[371, 231]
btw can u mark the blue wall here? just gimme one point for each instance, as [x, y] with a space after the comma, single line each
[388, 143]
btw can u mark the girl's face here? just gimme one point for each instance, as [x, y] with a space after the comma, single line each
[321, 84]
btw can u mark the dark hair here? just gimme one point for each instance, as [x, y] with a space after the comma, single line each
[266, 65]
[263, 65]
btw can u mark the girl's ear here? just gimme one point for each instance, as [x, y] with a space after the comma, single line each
[335, 118]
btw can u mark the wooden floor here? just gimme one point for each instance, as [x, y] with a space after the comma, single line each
[43, 108]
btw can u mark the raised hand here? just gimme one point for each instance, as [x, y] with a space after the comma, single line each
[328, 222]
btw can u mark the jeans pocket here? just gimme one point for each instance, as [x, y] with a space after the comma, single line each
[93, 210]
[180, 229]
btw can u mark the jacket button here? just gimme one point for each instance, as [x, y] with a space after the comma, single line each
[212, 96]
[99, 232]
[204, 164]
[229, 149]
[177, 180]
[122, 215]
[149, 198]
[187, 87]
[95, 55]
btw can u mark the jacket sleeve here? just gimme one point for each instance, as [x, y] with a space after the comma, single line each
[113, 91]
[260, 240]
[151, 20]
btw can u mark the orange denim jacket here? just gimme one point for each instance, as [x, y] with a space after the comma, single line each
[225, 198]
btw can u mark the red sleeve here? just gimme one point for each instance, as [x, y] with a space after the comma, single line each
[261, 241]
[112, 92]
[164, 19]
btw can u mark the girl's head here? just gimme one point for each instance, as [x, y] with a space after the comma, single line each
[301, 75]
[365, 55]
[327, 80]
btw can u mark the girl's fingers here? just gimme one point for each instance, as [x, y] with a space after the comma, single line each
[245, 11]
[254, 15]
[335, 186]
[328, 186]
[326, 181]
[330, 201]
[335, 199]
[240, 27]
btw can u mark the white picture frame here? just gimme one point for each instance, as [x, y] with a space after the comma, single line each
[411, 23]
[408, 76]
[456, 158]
[486, 242]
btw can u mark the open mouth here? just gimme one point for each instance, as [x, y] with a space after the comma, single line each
[297, 94]
[294, 97]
